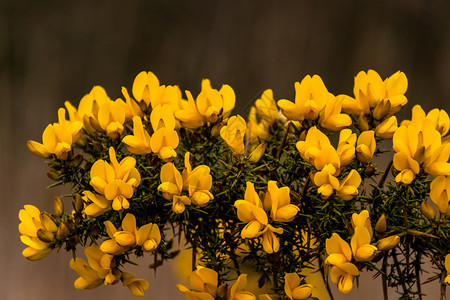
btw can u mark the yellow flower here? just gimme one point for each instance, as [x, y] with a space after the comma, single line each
[136, 286]
[130, 107]
[236, 292]
[293, 289]
[441, 120]
[171, 187]
[360, 243]
[88, 109]
[256, 130]
[338, 250]
[188, 115]
[257, 152]
[251, 211]
[362, 220]
[111, 117]
[162, 116]
[277, 201]
[317, 150]
[365, 146]
[346, 146]
[144, 86]
[57, 138]
[269, 240]
[326, 182]
[331, 117]
[343, 275]
[387, 128]
[163, 142]
[147, 236]
[370, 90]
[266, 107]
[139, 142]
[197, 182]
[440, 193]
[212, 103]
[116, 181]
[97, 271]
[348, 187]
[233, 134]
[388, 243]
[407, 166]
[33, 225]
[311, 95]
[99, 204]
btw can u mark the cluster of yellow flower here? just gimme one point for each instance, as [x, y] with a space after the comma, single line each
[285, 143]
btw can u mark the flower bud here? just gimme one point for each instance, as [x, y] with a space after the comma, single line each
[45, 236]
[428, 211]
[78, 203]
[388, 243]
[70, 225]
[76, 161]
[381, 224]
[363, 125]
[53, 175]
[62, 232]
[58, 206]
[222, 290]
[215, 130]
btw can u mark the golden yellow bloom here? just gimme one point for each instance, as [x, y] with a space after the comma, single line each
[99, 204]
[388, 243]
[251, 211]
[171, 187]
[293, 289]
[331, 117]
[269, 240]
[34, 225]
[266, 107]
[116, 181]
[256, 130]
[163, 142]
[130, 107]
[144, 86]
[365, 146]
[111, 117]
[370, 90]
[362, 220]
[88, 109]
[147, 236]
[136, 286]
[346, 146]
[360, 244]
[407, 165]
[139, 142]
[311, 95]
[97, 271]
[188, 115]
[317, 150]
[57, 138]
[387, 128]
[348, 187]
[236, 292]
[441, 120]
[277, 201]
[197, 182]
[203, 281]
[343, 275]
[338, 250]
[440, 193]
[162, 116]
[212, 103]
[233, 134]
[326, 182]
[257, 152]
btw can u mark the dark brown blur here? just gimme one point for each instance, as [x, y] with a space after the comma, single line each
[52, 51]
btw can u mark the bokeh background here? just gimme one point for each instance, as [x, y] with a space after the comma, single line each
[52, 51]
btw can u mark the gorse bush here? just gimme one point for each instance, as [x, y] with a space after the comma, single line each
[293, 188]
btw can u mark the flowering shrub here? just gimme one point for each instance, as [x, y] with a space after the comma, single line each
[292, 188]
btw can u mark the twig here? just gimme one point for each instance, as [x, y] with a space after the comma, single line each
[443, 285]
[384, 277]
[283, 142]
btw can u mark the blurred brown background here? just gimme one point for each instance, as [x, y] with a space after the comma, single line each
[52, 51]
